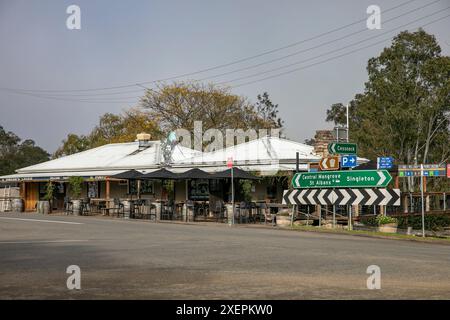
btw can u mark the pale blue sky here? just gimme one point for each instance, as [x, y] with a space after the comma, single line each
[125, 42]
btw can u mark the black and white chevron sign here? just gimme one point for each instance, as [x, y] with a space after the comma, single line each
[364, 197]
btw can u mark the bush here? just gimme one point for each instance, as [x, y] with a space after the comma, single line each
[382, 219]
[76, 184]
[49, 191]
[375, 221]
[432, 222]
[370, 221]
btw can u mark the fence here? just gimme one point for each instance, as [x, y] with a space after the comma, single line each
[7, 194]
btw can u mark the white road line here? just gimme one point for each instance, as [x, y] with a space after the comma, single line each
[37, 220]
[41, 241]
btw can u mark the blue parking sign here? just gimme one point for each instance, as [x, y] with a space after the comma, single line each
[348, 161]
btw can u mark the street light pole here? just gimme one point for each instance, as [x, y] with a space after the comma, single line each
[347, 124]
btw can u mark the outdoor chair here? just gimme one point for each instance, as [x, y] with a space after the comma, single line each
[167, 211]
[243, 212]
[190, 209]
[219, 211]
[118, 208]
[68, 206]
[138, 208]
[148, 211]
[262, 212]
[200, 210]
[85, 207]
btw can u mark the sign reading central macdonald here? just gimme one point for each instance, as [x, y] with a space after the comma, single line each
[342, 179]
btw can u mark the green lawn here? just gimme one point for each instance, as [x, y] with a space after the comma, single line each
[371, 234]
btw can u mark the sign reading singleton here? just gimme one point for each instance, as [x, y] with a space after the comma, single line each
[342, 179]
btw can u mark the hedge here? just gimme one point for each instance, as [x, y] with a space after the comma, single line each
[432, 222]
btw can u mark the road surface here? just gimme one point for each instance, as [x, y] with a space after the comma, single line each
[126, 259]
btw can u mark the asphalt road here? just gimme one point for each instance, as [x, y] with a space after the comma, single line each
[122, 259]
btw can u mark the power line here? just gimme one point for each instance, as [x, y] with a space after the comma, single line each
[267, 71]
[218, 66]
[314, 47]
[333, 51]
[326, 60]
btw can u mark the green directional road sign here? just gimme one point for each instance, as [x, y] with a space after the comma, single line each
[342, 148]
[342, 179]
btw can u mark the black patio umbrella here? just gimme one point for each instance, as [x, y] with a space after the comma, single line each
[161, 174]
[195, 174]
[128, 175]
[237, 174]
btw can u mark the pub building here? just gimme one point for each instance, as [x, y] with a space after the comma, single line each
[271, 159]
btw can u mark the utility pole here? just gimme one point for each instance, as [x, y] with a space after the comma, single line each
[423, 205]
[350, 223]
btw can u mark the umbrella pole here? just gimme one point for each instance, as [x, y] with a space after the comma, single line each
[139, 189]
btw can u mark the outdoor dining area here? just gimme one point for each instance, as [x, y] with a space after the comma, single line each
[209, 197]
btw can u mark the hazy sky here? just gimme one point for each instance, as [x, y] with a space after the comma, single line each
[127, 42]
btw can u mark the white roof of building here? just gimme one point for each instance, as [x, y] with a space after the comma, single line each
[263, 150]
[267, 155]
[115, 156]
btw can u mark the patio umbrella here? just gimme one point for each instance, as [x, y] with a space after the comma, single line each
[130, 175]
[195, 174]
[161, 174]
[237, 174]
[234, 173]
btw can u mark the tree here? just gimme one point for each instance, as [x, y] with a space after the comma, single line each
[267, 112]
[72, 144]
[404, 110]
[15, 154]
[178, 105]
[111, 129]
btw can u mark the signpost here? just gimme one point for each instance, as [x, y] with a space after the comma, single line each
[354, 197]
[342, 179]
[448, 170]
[230, 165]
[385, 162]
[415, 170]
[329, 163]
[342, 148]
[349, 161]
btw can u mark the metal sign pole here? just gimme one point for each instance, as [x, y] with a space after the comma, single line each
[232, 193]
[423, 206]
[334, 213]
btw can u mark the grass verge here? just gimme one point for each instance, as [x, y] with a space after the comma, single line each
[373, 234]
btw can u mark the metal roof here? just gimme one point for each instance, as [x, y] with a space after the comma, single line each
[267, 155]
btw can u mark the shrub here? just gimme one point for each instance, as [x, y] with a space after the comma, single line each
[49, 190]
[382, 219]
[432, 222]
[370, 221]
[375, 221]
[76, 184]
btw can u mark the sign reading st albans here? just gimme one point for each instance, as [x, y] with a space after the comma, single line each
[342, 179]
